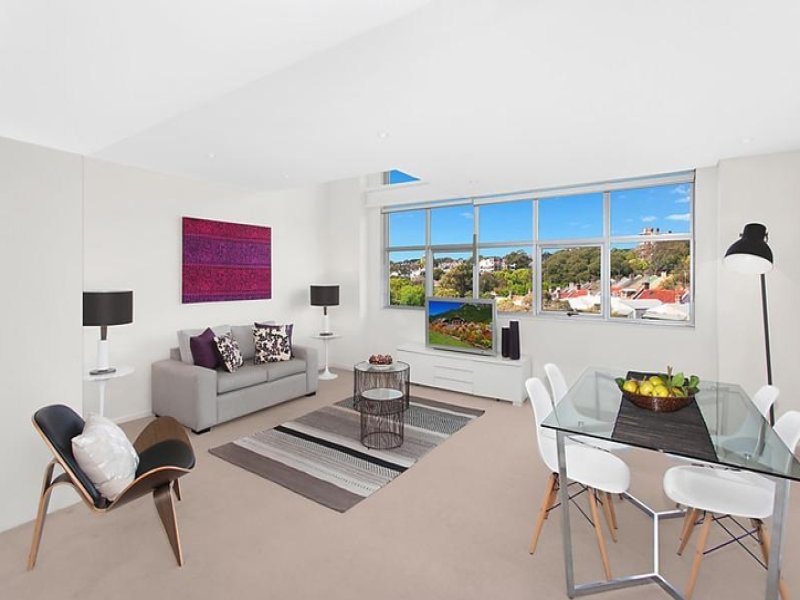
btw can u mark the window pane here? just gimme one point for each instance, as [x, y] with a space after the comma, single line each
[407, 228]
[407, 278]
[651, 280]
[452, 274]
[396, 176]
[571, 280]
[660, 209]
[506, 222]
[452, 225]
[505, 274]
[571, 217]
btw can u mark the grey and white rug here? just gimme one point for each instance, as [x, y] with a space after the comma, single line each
[320, 455]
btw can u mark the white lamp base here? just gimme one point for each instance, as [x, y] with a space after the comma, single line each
[102, 359]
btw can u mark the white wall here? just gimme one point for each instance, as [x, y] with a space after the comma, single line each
[763, 189]
[40, 307]
[570, 343]
[132, 240]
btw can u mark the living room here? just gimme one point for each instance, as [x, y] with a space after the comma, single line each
[118, 123]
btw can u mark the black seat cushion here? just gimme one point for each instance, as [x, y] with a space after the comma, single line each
[60, 424]
[169, 453]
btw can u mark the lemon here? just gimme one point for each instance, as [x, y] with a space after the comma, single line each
[630, 386]
[678, 392]
[656, 380]
[660, 391]
[646, 388]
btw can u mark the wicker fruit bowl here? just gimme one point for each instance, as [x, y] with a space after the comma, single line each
[659, 392]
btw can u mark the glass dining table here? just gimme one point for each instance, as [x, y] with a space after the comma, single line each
[722, 426]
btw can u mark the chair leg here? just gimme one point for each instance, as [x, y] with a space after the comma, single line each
[176, 487]
[688, 527]
[165, 505]
[698, 557]
[599, 532]
[610, 520]
[613, 510]
[41, 514]
[547, 502]
[763, 540]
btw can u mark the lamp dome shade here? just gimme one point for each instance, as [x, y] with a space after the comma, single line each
[324, 295]
[750, 253]
[107, 308]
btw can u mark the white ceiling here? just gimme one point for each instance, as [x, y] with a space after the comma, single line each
[475, 95]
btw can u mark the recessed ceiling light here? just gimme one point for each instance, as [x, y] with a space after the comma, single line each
[746, 139]
[212, 155]
[285, 176]
[383, 134]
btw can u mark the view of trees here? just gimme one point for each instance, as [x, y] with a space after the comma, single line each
[570, 265]
[654, 258]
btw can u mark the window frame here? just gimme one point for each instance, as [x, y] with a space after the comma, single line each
[535, 246]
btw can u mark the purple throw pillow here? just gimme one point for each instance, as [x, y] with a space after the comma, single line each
[204, 350]
[272, 326]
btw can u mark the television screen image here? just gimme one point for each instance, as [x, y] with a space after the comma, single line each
[459, 324]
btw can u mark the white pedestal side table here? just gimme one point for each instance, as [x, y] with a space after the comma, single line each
[102, 379]
[326, 374]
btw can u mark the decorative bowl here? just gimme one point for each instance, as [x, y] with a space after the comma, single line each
[377, 367]
[687, 385]
[659, 403]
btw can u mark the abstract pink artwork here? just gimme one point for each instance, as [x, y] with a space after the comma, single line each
[226, 261]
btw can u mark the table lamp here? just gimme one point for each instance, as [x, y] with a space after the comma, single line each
[325, 296]
[102, 309]
[751, 254]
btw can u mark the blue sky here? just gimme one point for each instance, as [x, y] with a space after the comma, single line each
[665, 207]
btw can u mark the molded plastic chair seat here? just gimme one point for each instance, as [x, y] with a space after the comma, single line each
[737, 493]
[596, 469]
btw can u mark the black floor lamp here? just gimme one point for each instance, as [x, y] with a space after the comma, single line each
[751, 254]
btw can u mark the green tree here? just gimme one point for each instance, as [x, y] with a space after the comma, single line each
[518, 259]
[459, 280]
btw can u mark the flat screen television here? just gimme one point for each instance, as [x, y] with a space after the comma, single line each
[460, 324]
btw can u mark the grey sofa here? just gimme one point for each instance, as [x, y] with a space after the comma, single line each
[201, 398]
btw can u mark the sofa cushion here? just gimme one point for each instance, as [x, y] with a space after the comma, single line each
[243, 334]
[106, 455]
[245, 376]
[272, 344]
[185, 334]
[279, 370]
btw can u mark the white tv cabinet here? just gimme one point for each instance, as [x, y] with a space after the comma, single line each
[489, 376]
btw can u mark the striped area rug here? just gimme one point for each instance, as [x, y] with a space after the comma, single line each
[320, 455]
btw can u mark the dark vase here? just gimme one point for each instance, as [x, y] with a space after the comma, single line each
[505, 338]
[513, 340]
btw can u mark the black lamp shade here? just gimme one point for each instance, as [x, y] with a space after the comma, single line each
[107, 308]
[750, 253]
[324, 295]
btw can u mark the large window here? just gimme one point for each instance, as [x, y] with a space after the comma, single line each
[622, 251]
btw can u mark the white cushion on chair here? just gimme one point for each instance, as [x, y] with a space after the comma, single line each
[106, 455]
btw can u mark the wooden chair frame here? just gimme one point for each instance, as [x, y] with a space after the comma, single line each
[161, 481]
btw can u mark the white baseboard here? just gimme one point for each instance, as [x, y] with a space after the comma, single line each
[125, 419]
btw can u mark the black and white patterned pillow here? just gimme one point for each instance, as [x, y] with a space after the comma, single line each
[229, 352]
[273, 344]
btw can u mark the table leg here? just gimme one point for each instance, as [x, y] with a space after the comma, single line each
[101, 386]
[566, 533]
[779, 511]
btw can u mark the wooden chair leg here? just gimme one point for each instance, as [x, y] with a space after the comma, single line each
[176, 487]
[599, 532]
[610, 520]
[553, 498]
[763, 539]
[613, 510]
[547, 502]
[165, 504]
[41, 514]
[698, 557]
[688, 527]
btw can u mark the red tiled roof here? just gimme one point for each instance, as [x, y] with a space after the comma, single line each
[573, 293]
[665, 296]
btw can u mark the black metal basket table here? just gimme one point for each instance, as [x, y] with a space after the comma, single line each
[381, 395]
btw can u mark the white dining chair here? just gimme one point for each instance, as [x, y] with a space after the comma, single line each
[764, 398]
[559, 388]
[600, 472]
[726, 492]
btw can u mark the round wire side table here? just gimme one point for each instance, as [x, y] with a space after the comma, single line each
[380, 395]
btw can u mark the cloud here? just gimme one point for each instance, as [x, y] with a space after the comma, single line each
[680, 217]
[466, 215]
[649, 219]
[684, 200]
[681, 189]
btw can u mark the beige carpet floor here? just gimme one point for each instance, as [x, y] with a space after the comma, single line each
[455, 526]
